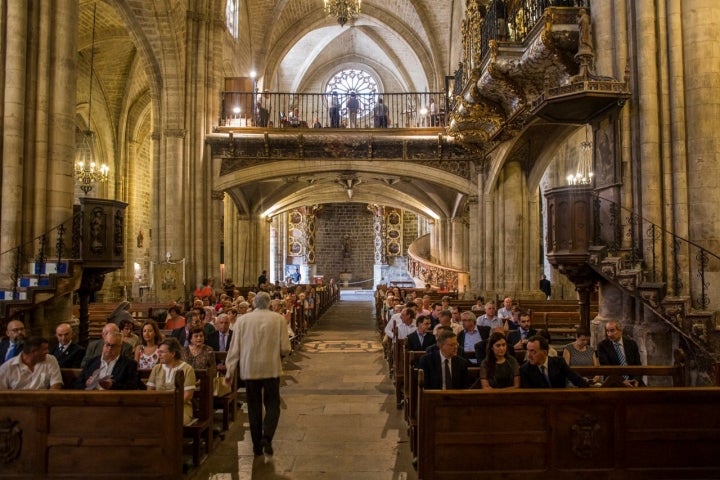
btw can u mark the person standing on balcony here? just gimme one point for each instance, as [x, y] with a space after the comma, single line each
[334, 111]
[380, 114]
[353, 105]
[432, 112]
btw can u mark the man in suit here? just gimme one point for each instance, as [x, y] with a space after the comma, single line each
[192, 320]
[11, 346]
[443, 363]
[219, 340]
[469, 336]
[110, 370]
[421, 338]
[541, 371]
[518, 338]
[96, 346]
[618, 349]
[67, 353]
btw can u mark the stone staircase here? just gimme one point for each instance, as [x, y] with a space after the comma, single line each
[40, 283]
[698, 327]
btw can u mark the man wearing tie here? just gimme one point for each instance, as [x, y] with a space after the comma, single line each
[67, 353]
[220, 339]
[541, 371]
[12, 345]
[421, 338]
[617, 349]
[518, 338]
[443, 368]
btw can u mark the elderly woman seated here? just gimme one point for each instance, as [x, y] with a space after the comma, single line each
[197, 354]
[162, 376]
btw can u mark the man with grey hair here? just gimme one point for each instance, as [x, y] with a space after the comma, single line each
[256, 350]
[95, 347]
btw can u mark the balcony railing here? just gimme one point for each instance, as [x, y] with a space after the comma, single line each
[319, 110]
[441, 277]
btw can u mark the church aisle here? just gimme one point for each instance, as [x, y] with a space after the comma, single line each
[338, 419]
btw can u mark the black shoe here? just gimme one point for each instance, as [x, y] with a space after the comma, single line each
[267, 446]
[257, 451]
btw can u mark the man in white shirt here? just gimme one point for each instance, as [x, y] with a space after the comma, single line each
[489, 319]
[405, 325]
[505, 312]
[264, 340]
[33, 369]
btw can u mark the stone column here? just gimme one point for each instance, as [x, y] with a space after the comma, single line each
[14, 90]
[169, 220]
[473, 250]
[458, 248]
[510, 230]
[703, 150]
[610, 307]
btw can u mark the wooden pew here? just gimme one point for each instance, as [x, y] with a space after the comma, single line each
[227, 403]
[619, 433]
[53, 434]
[398, 353]
[201, 430]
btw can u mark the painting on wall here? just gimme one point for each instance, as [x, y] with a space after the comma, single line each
[606, 167]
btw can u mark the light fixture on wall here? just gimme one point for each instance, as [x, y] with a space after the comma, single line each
[584, 173]
[343, 10]
[88, 171]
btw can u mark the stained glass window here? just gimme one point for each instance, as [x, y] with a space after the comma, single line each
[356, 81]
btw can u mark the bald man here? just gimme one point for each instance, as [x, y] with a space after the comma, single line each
[68, 353]
[11, 346]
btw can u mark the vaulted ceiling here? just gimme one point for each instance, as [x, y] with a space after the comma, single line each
[295, 45]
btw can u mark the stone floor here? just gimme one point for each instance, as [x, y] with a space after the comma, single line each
[338, 420]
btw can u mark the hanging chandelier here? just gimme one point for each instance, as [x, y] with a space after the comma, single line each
[343, 10]
[87, 170]
[584, 173]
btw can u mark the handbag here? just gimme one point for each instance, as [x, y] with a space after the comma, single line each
[219, 387]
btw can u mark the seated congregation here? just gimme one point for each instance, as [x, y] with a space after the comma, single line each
[179, 356]
[519, 380]
[503, 343]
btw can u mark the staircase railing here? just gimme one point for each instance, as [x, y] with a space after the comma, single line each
[65, 238]
[648, 246]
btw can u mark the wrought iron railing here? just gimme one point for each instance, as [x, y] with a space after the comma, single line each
[320, 110]
[646, 245]
[64, 237]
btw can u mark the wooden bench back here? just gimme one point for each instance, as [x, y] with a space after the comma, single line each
[569, 433]
[95, 434]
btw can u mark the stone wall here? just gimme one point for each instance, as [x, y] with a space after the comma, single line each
[410, 229]
[334, 222]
